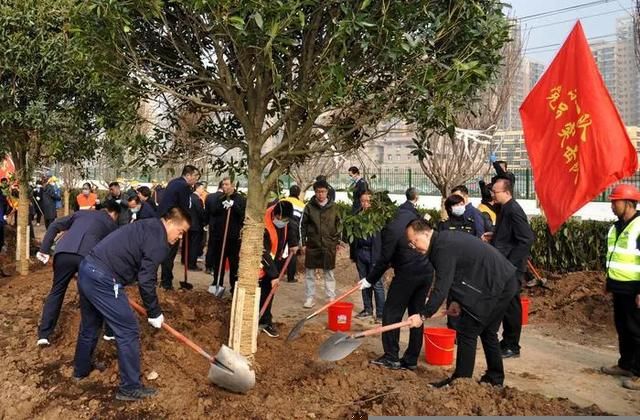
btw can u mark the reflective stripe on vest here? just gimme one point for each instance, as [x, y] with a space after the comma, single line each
[623, 257]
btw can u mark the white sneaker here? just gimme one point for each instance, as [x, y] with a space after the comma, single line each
[43, 342]
[308, 303]
[108, 338]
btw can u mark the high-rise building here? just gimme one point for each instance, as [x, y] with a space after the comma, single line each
[627, 92]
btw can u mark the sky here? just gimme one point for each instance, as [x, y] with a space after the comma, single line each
[598, 20]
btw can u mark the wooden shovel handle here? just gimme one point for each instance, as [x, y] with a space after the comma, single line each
[535, 272]
[184, 340]
[338, 299]
[273, 290]
[381, 329]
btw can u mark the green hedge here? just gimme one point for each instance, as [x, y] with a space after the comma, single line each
[578, 245]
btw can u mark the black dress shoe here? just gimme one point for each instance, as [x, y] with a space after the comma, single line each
[508, 353]
[408, 366]
[386, 363]
[442, 383]
[484, 379]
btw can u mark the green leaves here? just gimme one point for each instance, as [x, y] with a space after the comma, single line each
[258, 18]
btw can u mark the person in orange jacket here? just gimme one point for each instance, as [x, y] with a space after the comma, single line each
[87, 200]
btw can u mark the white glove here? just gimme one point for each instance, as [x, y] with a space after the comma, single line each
[364, 284]
[44, 258]
[97, 201]
[156, 322]
[227, 204]
[37, 198]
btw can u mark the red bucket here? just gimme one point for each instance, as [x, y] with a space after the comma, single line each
[525, 301]
[439, 344]
[339, 315]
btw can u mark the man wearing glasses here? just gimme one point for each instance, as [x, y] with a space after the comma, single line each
[513, 237]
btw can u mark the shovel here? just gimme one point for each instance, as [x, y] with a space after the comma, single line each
[340, 345]
[228, 370]
[217, 289]
[297, 329]
[185, 284]
[273, 290]
[539, 280]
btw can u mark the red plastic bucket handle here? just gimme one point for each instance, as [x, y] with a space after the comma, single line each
[437, 346]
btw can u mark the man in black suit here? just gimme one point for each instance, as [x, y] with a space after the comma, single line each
[192, 247]
[513, 237]
[177, 194]
[83, 230]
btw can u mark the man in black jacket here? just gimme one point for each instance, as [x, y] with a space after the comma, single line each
[413, 274]
[193, 245]
[83, 230]
[128, 255]
[513, 237]
[229, 203]
[358, 187]
[177, 194]
[481, 283]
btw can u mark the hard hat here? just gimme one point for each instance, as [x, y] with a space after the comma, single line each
[625, 192]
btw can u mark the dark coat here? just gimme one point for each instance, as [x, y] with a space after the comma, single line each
[197, 213]
[147, 211]
[177, 194]
[358, 188]
[459, 223]
[396, 252]
[471, 271]
[320, 234]
[48, 202]
[513, 236]
[83, 230]
[218, 215]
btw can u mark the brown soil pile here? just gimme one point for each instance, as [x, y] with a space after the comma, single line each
[578, 307]
[291, 381]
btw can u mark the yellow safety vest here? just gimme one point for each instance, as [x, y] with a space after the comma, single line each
[486, 209]
[623, 256]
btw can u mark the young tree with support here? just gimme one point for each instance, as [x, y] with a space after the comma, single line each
[276, 77]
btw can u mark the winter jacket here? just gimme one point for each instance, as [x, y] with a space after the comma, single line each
[320, 227]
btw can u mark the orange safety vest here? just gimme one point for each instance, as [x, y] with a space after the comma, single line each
[86, 202]
[272, 231]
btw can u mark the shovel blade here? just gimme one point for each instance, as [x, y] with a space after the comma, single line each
[337, 347]
[186, 285]
[217, 291]
[231, 371]
[297, 329]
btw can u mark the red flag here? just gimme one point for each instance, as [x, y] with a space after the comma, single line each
[576, 140]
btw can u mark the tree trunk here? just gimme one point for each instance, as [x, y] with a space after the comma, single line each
[22, 230]
[66, 200]
[245, 308]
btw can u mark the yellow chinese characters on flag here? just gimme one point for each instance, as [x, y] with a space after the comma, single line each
[576, 140]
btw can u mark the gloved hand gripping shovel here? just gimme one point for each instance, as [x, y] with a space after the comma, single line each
[297, 329]
[340, 345]
[217, 289]
[273, 290]
[228, 369]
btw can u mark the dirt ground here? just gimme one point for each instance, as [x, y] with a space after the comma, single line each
[570, 334]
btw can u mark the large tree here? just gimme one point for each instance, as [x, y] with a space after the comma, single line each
[52, 101]
[275, 77]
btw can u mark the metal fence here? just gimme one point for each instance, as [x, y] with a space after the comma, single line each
[397, 181]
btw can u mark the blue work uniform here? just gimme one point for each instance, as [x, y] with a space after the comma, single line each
[83, 230]
[177, 194]
[131, 253]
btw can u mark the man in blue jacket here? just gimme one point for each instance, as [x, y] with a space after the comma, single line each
[470, 212]
[131, 253]
[177, 194]
[82, 231]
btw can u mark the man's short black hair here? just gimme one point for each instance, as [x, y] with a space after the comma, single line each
[189, 170]
[283, 209]
[112, 206]
[199, 184]
[354, 170]
[133, 197]
[177, 214]
[508, 186]
[86, 184]
[502, 162]
[411, 194]
[420, 225]
[321, 184]
[321, 178]
[294, 191]
[460, 188]
[114, 184]
[452, 200]
[144, 191]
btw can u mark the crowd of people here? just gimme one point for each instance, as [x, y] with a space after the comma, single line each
[479, 255]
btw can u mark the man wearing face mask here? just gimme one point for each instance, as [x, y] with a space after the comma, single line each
[470, 212]
[278, 243]
[87, 200]
[130, 254]
[130, 212]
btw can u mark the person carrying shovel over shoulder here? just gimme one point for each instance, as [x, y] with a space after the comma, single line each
[279, 241]
[481, 283]
[131, 253]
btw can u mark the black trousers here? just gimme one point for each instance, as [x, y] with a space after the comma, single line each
[232, 252]
[65, 266]
[406, 293]
[468, 331]
[194, 244]
[626, 316]
[265, 289]
[291, 270]
[167, 267]
[512, 322]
